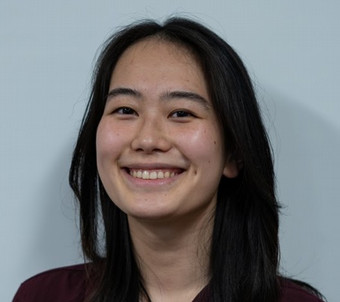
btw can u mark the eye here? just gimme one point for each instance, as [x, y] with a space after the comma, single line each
[125, 111]
[181, 114]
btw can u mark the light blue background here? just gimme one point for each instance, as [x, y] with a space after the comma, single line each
[47, 51]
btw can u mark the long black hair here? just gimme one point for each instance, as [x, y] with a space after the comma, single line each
[244, 257]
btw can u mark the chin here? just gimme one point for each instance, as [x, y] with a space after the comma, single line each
[153, 214]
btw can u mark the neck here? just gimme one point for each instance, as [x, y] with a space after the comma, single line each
[173, 256]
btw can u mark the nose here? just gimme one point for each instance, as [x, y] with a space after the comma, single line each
[151, 137]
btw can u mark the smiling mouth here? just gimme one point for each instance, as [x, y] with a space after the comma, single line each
[153, 174]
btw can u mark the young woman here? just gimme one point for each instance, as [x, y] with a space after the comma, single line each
[174, 176]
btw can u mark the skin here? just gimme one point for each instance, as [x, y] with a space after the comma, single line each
[159, 120]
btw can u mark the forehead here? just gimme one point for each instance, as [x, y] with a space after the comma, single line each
[156, 56]
[149, 47]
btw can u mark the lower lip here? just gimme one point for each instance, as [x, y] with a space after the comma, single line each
[140, 182]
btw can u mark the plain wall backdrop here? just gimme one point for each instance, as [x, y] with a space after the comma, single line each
[47, 51]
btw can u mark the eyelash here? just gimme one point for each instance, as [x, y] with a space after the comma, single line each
[175, 114]
[125, 111]
[181, 114]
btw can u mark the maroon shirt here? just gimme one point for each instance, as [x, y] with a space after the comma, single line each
[68, 284]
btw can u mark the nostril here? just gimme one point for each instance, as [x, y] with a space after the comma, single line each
[151, 144]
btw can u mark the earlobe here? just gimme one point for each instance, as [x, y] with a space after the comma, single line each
[231, 169]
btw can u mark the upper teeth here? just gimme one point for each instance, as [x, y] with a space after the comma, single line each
[145, 174]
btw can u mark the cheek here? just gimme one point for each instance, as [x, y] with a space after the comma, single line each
[203, 144]
[108, 143]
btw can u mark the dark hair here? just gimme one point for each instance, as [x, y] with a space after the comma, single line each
[244, 257]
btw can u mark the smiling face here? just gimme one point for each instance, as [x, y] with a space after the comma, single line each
[160, 151]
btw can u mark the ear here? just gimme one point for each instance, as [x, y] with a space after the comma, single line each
[231, 168]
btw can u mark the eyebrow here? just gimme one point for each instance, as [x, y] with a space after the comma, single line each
[169, 95]
[123, 91]
[186, 95]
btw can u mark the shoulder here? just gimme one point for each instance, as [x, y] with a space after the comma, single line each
[61, 284]
[294, 292]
